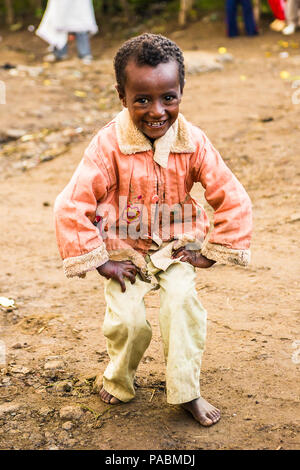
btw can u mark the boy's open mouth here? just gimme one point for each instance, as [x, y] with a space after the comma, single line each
[156, 124]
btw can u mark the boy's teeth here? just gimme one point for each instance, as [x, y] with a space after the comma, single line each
[156, 124]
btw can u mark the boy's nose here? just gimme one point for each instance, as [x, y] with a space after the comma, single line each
[157, 110]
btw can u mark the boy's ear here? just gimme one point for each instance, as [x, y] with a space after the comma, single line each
[121, 96]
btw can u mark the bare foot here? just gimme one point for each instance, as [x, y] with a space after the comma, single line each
[108, 398]
[202, 411]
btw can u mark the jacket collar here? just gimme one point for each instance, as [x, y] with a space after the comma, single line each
[131, 140]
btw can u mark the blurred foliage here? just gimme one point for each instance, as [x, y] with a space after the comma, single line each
[116, 10]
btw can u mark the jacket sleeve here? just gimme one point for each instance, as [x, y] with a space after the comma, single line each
[229, 241]
[79, 241]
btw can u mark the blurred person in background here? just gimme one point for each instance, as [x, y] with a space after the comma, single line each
[292, 16]
[68, 16]
[277, 7]
[231, 17]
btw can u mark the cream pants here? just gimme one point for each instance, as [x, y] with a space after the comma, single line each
[292, 11]
[182, 322]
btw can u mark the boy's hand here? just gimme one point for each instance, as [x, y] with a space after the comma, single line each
[195, 258]
[118, 270]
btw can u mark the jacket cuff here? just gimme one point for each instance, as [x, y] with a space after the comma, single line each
[224, 255]
[79, 265]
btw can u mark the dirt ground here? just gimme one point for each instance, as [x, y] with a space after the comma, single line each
[53, 338]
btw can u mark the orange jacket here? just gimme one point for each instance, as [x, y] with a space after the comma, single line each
[125, 194]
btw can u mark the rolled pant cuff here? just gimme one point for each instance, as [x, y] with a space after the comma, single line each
[116, 392]
[182, 398]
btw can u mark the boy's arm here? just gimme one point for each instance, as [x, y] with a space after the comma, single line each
[229, 241]
[79, 241]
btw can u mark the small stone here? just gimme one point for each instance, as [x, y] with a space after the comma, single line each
[52, 375]
[53, 365]
[71, 412]
[15, 133]
[17, 346]
[9, 408]
[45, 411]
[63, 387]
[6, 381]
[71, 442]
[20, 370]
[5, 302]
[67, 425]
[225, 58]
[295, 217]
[201, 62]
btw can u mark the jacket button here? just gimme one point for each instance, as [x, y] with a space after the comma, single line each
[155, 198]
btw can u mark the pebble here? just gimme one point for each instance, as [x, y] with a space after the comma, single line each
[52, 365]
[63, 387]
[45, 411]
[201, 62]
[71, 412]
[6, 381]
[225, 58]
[8, 408]
[15, 133]
[67, 425]
[20, 370]
[295, 217]
[71, 442]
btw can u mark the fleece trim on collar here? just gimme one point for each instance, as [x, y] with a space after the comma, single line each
[177, 139]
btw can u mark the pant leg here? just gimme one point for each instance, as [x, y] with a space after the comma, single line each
[183, 329]
[60, 53]
[231, 18]
[277, 8]
[291, 11]
[83, 44]
[249, 20]
[128, 335]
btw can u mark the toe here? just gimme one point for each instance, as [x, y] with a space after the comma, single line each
[104, 395]
[210, 416]
[114, 400]
[215, 417]
[108, 398]
[205, 421]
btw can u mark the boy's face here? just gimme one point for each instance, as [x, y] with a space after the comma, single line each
[152, 96]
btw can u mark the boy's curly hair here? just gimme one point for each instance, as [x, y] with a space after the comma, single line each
[147, 49]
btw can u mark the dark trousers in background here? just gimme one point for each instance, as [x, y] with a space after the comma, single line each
[231, 15]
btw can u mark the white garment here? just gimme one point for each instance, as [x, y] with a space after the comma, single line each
[66, 16]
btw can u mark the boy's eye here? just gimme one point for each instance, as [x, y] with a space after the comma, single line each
[142, 100]
[170, 98]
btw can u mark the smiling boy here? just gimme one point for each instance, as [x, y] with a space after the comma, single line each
[149, 156]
